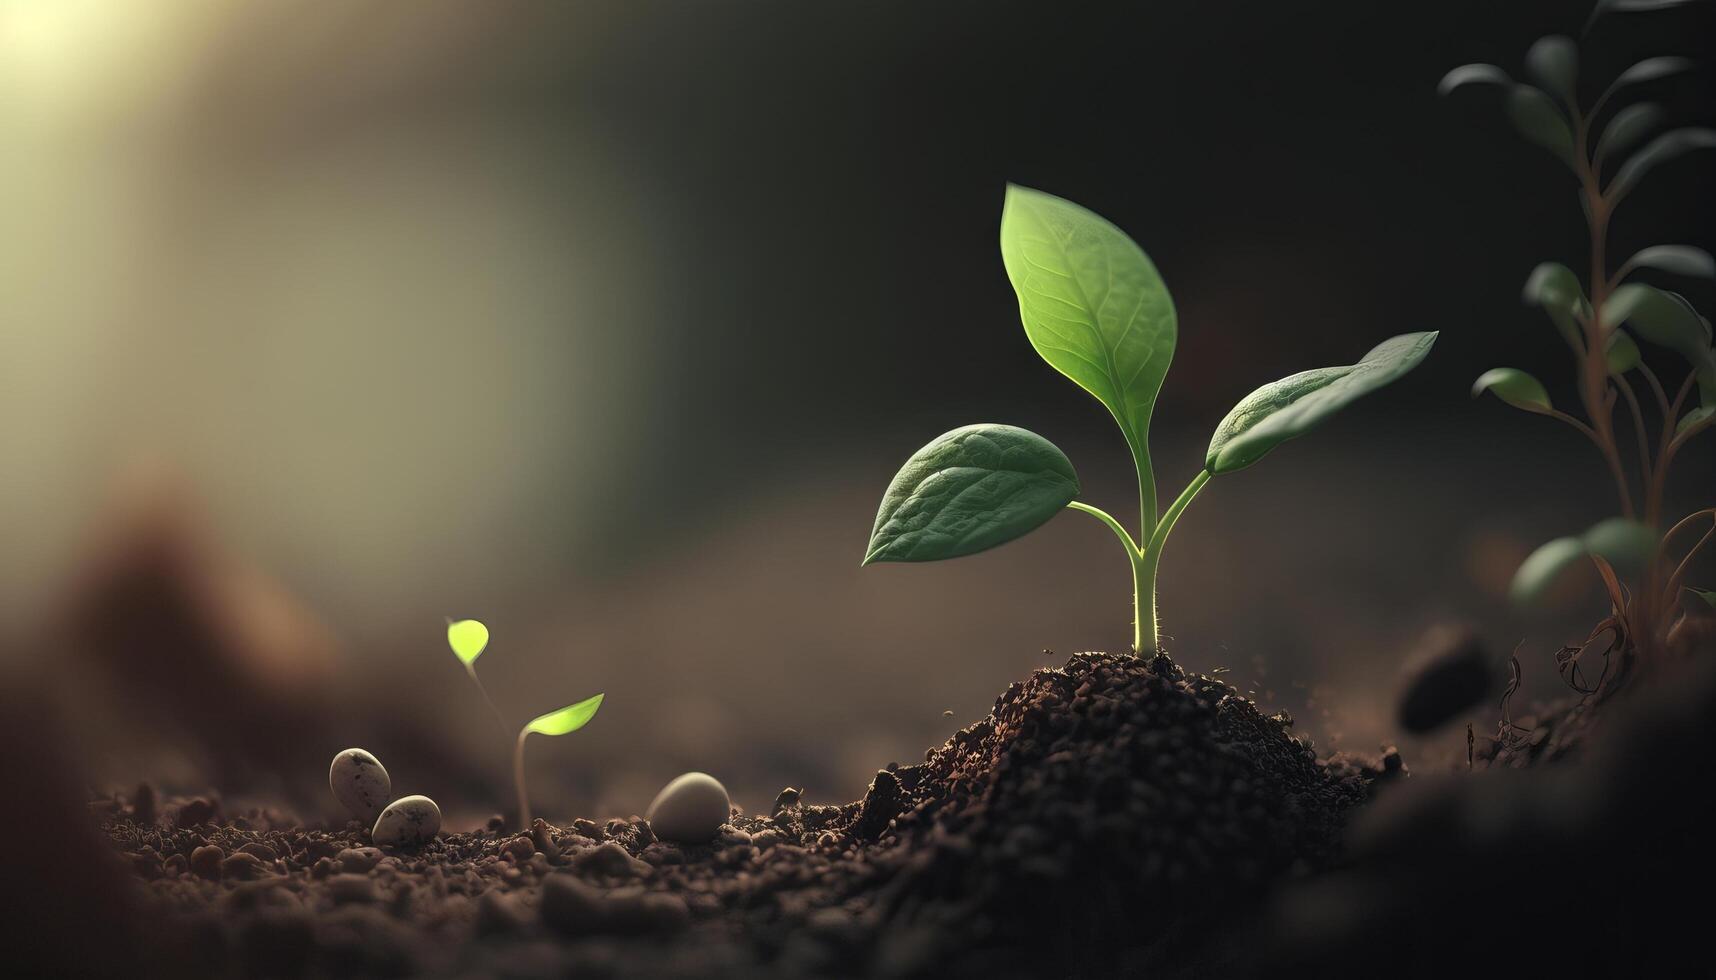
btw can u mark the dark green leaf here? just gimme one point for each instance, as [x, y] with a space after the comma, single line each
[1708, 597]
[1478, 74]
[1651, 69]
[1535, 116]
[1623, 353]
[1554, 61]
[1092, 303]
[1664, 148]
[1554, 287]
[970, 490]
[1625, 544]
[1297, 404]
[1515, 387]
[1662, 317]
[1681, 260]
[1542, 567]
[1628, 127]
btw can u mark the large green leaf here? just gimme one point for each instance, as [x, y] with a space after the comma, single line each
[566, 720]
[1474, 74]
[1515, 387]
[1628, 126]
[1536, 117]
[1664, 148]
[1556, 288]
[1625, 544]
[1681, 260]
[1092, 304]
[1554, 61]
[970, 490]
[1297, 404]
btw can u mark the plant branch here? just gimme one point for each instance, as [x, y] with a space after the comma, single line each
[1143, 581]
[499, 718]
[1647, 470]
[518, 780]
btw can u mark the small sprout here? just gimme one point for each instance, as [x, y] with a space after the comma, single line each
[565, 721]
[691, 809]
[360, 783]
[469, 638]
[407, 822]
[1095, 308]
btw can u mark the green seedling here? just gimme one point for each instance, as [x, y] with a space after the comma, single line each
[1095, 308]
[469, 638]
[565, 721]
[1602, 320]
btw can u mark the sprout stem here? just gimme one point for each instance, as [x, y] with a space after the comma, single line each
[1146, 629]
[518, 780]
[499, 718]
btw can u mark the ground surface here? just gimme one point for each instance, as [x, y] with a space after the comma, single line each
[1114, 812]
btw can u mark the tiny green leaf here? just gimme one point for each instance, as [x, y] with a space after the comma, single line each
[1708, 597]
[1535, 116]
[1475, 74]
[1664, 148]
[1624, 543]
[1092, 304]
[468, 638]
[1297, 404]
[567, 719]
[1554, 61]
[1515, 387]
[1558, 291]
[1623, 353]
[1680, 260]
[969, 490]
[1628, 127]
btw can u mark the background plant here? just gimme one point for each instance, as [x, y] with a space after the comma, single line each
[1095, 308]
[1603, 143]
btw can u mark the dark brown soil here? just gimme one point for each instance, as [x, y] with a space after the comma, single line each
[1113, 813]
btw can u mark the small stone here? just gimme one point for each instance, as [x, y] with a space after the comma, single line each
[358, 860]
[243, 867]
[610, 859]
[788, 797]
[407, 822]
[143, 805]
[205, 862]
[261, 851]
[1450, 673]
[520, 848]
[360, 783]
[174, 866]
[690, 809]
[197, 812]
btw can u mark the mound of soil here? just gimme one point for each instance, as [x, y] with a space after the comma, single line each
[1114, 812]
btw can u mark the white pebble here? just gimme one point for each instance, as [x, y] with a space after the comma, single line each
[407, 821]
[360, 783]
[690, 810]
